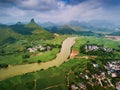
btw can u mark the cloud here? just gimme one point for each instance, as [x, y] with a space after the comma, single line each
[82, 12]
[57, 10]
[41, 5]
[7, 1]
[73, 2]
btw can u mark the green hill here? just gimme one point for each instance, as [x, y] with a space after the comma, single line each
[8, 35]
[115, 33]
[37, 32]
[65, 29]
[31, 31]
[32, 24]
[71, 29]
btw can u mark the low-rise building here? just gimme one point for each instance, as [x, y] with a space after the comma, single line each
[41, 48]
[117, 85]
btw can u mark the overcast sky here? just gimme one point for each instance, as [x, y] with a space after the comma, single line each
[59, 10]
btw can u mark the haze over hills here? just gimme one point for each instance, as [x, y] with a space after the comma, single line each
[117, 33]
[96, 26]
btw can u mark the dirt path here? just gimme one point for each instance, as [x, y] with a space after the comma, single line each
[53, 86]
[74, 53]
[86, 57]
[22, 69]
[35, 84]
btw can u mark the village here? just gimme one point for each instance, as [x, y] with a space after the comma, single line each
[39, 48]
[94, 47]
[98, 74]
[101, 78]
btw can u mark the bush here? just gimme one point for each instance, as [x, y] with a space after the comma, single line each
[25, 61]
[41, 69]
[39, 61]
[25, 56]
[3, 65]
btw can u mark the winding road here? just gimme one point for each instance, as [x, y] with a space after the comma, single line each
[22, 69]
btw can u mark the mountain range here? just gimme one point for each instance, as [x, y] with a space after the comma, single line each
[34, 31]
[96, 26]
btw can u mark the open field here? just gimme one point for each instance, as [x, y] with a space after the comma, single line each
[99, 41]
[116, 38]
[95, 40]
[45, 56]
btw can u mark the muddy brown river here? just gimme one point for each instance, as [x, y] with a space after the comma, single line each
[22, 69]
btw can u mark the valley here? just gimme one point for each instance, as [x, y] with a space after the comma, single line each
[66, 58]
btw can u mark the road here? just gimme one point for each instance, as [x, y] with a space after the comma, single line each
[22, 69]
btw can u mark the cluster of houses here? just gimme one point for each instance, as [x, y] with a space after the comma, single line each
[118, 85]
[92, 80]
[96, 78]
[102, 79]
[92, 47]
[113, 68]
[39, 48]
[79, 86]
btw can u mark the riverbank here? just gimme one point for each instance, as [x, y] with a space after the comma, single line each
[22, 69]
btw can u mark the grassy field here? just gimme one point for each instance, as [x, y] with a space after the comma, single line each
[95, 40]
[15, 51]
[99, 41]
[46, 56]
[11, 59]
[44, 78]
[57, 40]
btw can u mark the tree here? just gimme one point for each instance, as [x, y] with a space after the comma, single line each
[3, 65]
[25, 56]
[39, 61]
[88, 42]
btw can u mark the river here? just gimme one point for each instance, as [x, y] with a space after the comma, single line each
[22, 69]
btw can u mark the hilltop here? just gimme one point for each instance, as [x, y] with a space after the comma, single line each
[30, 31]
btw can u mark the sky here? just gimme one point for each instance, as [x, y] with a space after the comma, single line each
[59, 10]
